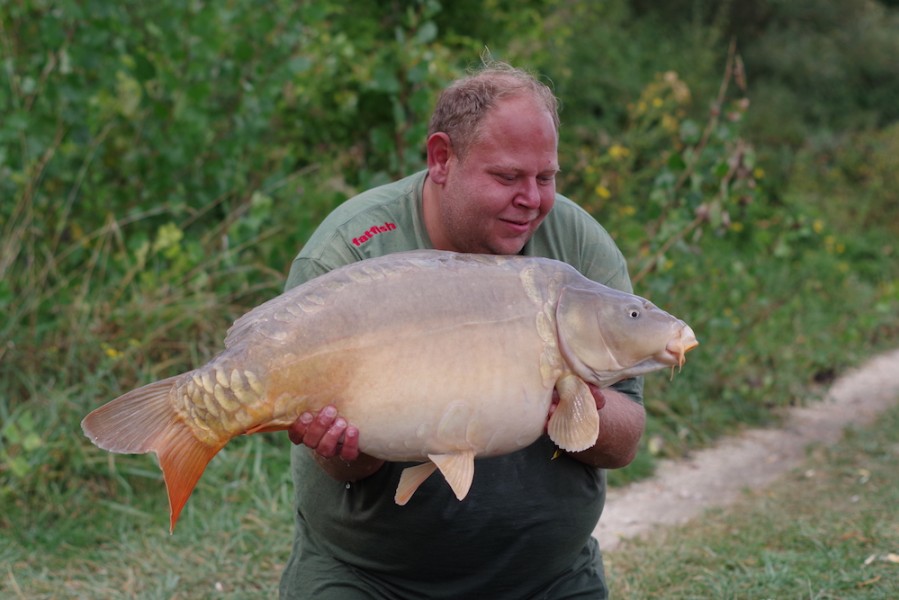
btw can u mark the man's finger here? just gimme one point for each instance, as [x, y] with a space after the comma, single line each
[349, 451]
[297, 429]
[319, 426]
[330, 440]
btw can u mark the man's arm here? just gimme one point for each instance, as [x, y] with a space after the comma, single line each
[621, 423]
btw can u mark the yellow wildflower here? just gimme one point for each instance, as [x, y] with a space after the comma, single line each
[669, 123]
[603, 192]
[617, 151]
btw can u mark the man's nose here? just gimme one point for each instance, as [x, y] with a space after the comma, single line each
[528, 194]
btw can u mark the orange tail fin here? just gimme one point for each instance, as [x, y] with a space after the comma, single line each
[144, 420]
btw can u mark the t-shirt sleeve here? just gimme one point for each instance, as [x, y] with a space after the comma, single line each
[303, 270]
[312, 262]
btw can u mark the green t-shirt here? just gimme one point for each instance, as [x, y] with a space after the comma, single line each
[523, 531]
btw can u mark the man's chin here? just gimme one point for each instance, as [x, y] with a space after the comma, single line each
[513, 245]
[499, 245]
[507, 248]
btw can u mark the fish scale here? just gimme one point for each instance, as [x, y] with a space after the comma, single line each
[217, 399]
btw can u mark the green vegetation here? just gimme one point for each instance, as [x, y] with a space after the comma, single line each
[825, 531]
[161, 163]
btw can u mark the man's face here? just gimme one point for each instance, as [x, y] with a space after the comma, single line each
[498, 194]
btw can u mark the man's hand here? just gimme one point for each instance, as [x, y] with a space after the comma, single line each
[327, 433]
[335, 444]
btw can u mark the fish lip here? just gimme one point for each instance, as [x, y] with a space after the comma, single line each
[677, 348]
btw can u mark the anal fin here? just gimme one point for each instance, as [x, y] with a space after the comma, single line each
[574, 425]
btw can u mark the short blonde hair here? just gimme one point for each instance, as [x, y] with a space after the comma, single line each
[463, 105]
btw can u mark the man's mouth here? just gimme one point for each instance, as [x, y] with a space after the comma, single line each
[518, 225]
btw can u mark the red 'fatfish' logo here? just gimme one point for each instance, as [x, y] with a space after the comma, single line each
[375, 230]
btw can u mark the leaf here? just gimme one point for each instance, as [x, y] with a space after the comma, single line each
[32, 441]
[676, 162]
[690, 132]
[18, 466]
[426, 33]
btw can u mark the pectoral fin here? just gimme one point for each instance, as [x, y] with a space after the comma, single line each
[574, 426]
[458, 469]
[410, 479]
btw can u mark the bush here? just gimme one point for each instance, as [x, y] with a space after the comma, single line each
[161, 163]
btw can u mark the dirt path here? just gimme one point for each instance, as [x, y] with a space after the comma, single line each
[717, 476]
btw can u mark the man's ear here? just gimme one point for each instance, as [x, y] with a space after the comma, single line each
[440, 151]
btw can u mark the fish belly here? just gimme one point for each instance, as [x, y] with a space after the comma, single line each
[473, 389]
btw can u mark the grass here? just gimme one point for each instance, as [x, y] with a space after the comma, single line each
[232, 540]
[826, 531]
[829, 530]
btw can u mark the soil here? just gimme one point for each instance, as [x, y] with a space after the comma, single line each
[683, 489]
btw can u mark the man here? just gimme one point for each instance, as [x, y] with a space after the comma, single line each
[524, 530]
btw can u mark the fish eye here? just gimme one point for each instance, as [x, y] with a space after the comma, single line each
[634, 313]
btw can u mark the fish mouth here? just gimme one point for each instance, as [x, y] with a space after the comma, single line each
[672, 356]
[680, 345]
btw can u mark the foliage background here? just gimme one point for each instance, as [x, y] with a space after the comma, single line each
[161, 163]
